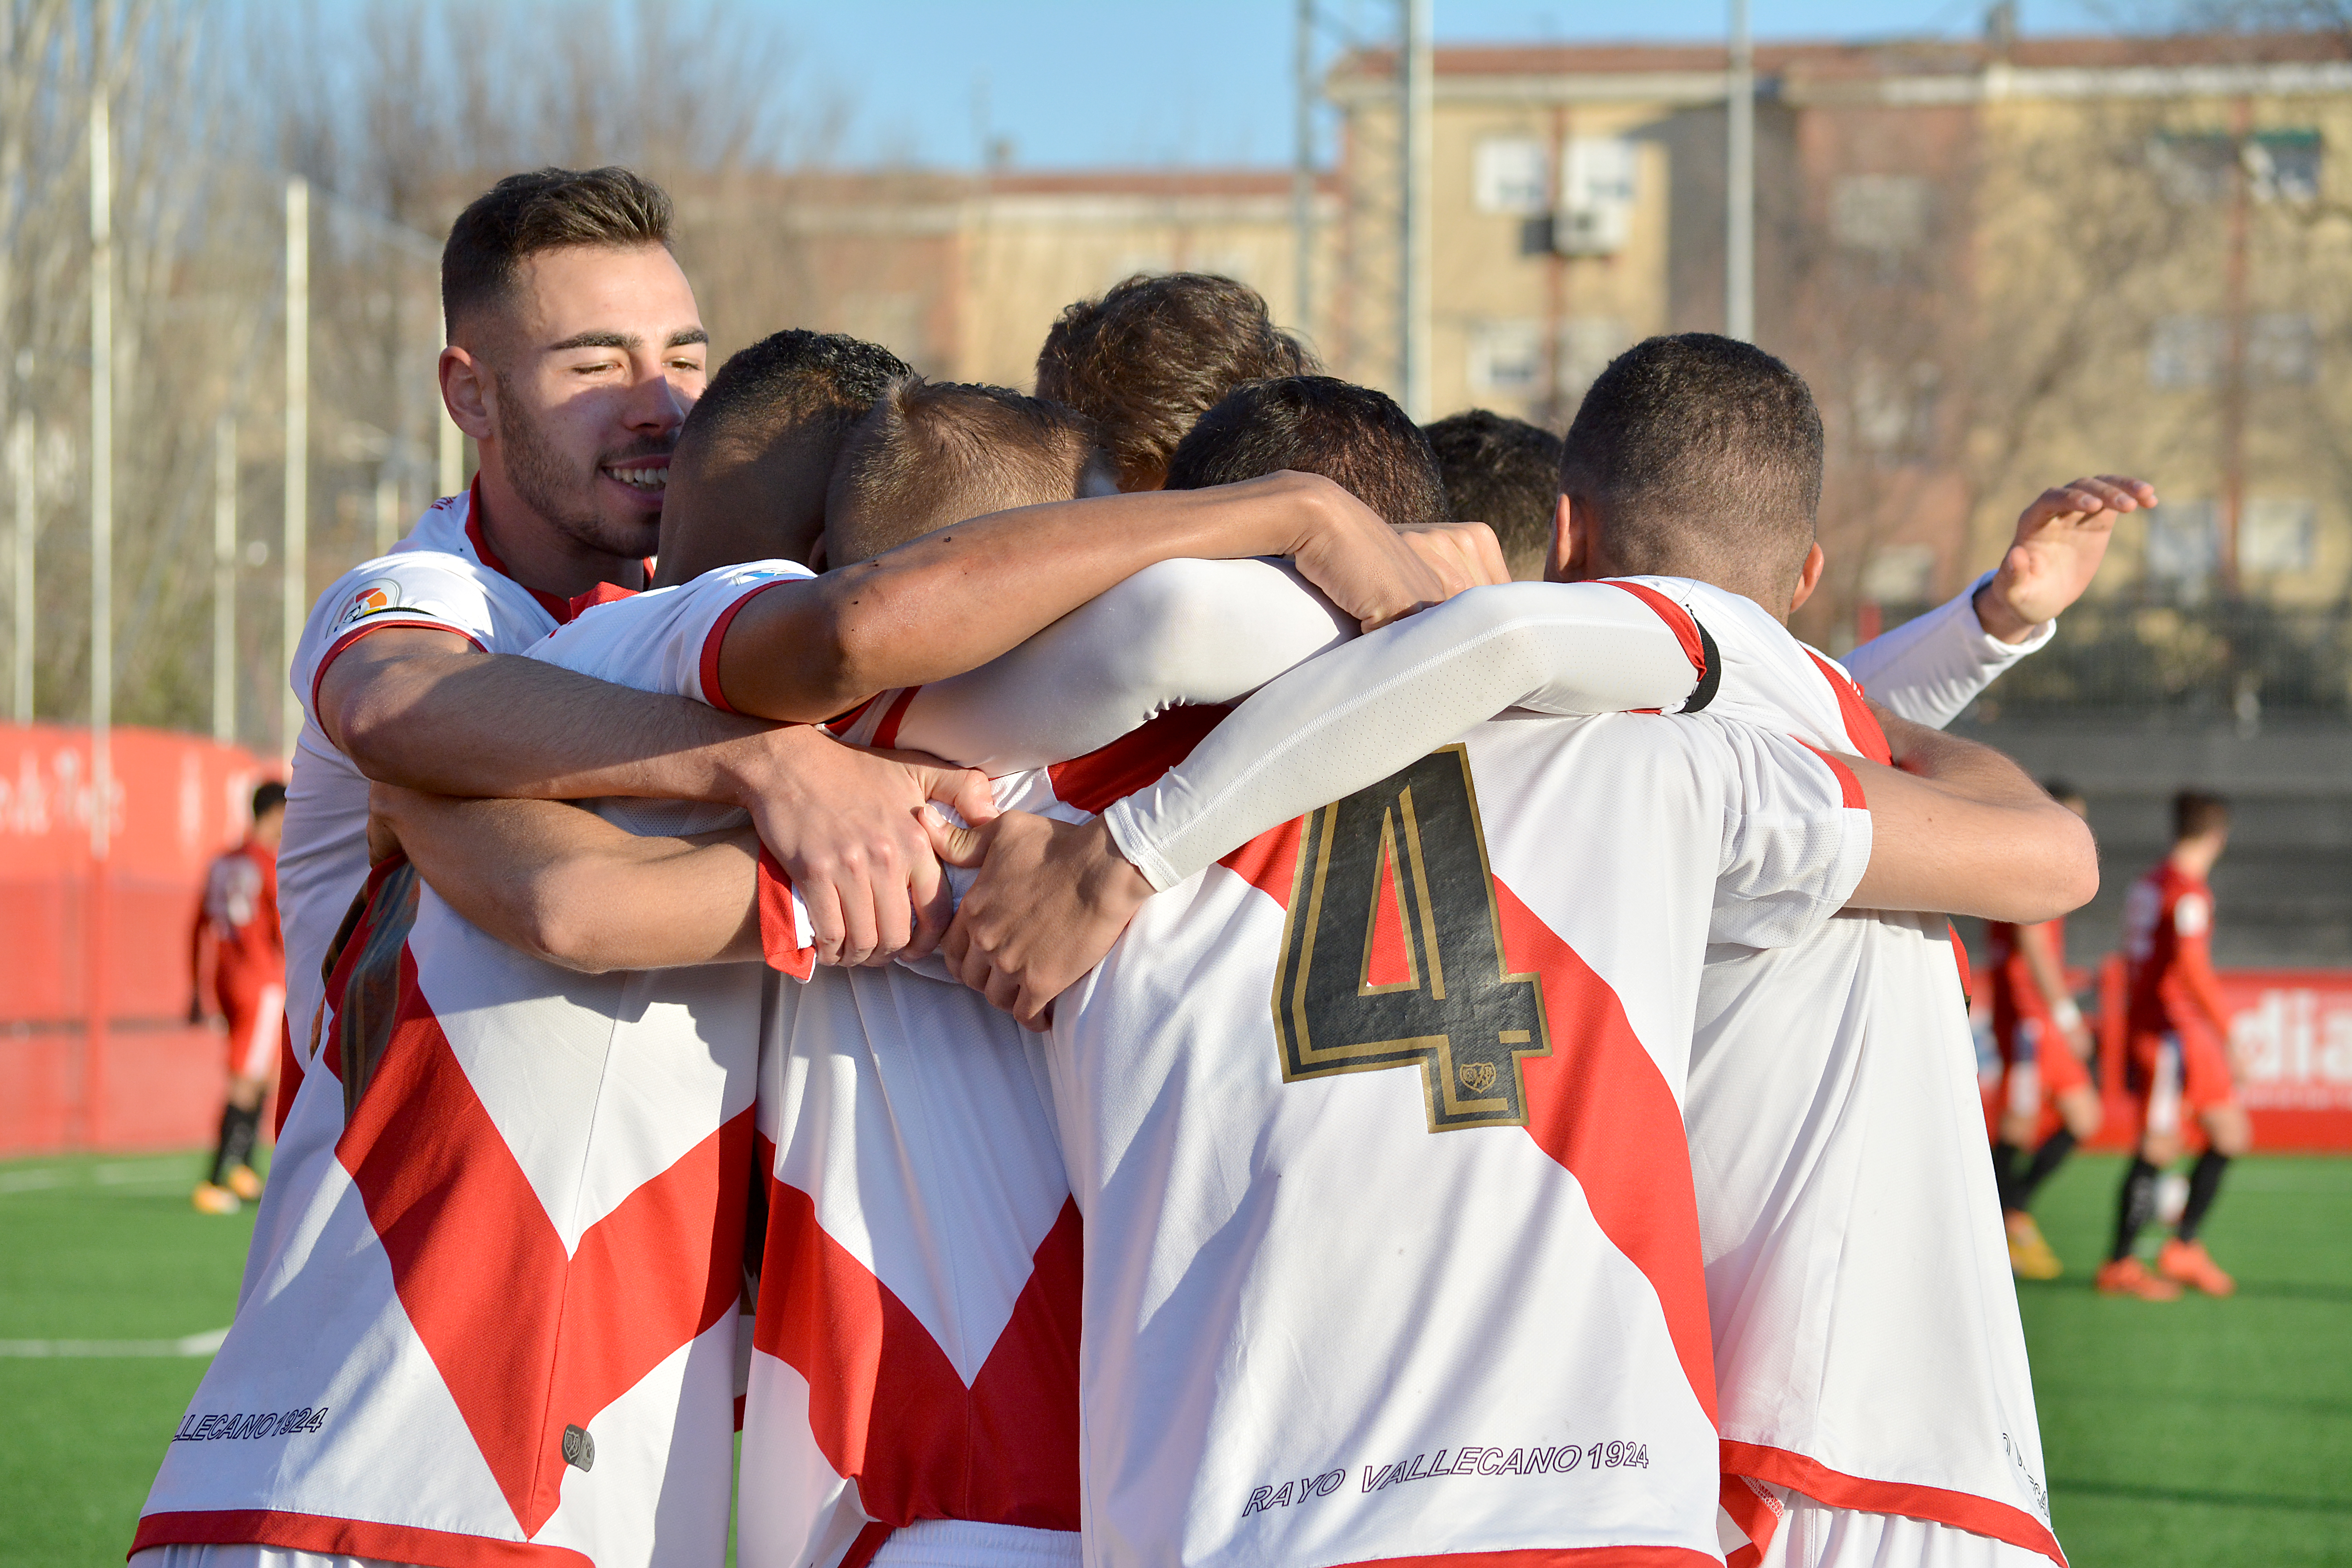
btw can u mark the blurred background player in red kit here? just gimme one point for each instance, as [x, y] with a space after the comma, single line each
[236, 946]
[2045, 1046]
[2180, 1055]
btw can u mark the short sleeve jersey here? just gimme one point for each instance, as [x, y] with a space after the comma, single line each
[1391, 1253]
[444, 577]
[241, 906]
[1867, 1345]
[491, 1312]
[2167, 945]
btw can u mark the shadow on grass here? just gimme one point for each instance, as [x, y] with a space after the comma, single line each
[2061, 1487]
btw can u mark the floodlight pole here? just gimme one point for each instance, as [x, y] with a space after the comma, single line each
[99, 999]
[225, 579]
[1739, 183]
[1414, 147]
[294, 564]
[20, 465]
[1302, 171]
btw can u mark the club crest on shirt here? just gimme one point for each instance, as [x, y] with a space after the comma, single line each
[372, 597]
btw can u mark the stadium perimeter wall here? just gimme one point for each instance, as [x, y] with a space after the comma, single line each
[147, 1080]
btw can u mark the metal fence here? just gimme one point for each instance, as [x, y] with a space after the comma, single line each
[2217, 663]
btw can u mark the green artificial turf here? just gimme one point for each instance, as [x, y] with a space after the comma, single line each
[2199, 1432]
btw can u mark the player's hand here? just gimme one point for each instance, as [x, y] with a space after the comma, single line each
[1463, 554]
[1052, 897]
[1363, 565]
[2061, 540]
[848, 826]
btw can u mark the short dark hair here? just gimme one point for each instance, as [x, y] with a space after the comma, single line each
[1316, 424]
[267, 796]
[808, 379]
[2196, 813]
[933, 452]
[1153, 354]
[546, 209]
[1504, 473]
[1702, 456]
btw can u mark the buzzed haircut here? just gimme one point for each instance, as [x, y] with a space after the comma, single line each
[934, 453]
[822, 382]
[268, 797]
[1316, 424]
[546, 209]
[2196, 813]
[1504, 473]
[1153, 354]
[1701, 457]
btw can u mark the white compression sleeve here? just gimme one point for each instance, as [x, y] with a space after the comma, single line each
[1355, 715]
[1179, 632]
[1932, 665]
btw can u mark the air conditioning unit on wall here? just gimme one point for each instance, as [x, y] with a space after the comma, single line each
[1597, 228]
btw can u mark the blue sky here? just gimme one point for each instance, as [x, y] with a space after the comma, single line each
[1121, 82]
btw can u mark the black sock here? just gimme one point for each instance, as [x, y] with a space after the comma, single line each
[2004, 1173]
[2204, 1185]
[221, 1161]
[2046, 1159]
[237, 1129]
[2135, 1206]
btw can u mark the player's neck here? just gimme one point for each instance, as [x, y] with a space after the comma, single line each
[2193, 858]
[533, 551]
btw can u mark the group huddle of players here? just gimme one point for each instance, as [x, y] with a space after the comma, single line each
[1092, 977]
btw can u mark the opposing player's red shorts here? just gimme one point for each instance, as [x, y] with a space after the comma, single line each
[2037, 1061]
[2172, 1072]
[255, 1017]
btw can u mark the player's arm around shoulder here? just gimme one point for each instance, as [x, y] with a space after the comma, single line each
[563, 884]
[1958, 828]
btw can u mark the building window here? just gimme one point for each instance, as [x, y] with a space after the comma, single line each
[2184, 351]
[2276, 534]
[2285, 166]
[2282, 349]
[1511, 176]
[1882, 213]
[2194, 167]
[2182, 539]
[1596, 196]
[1587, 345]
[1506, 357]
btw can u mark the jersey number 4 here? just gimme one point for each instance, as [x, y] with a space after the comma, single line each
[1392, 954]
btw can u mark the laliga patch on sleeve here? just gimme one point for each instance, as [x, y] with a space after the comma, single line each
[2191, 915]
[374, 597]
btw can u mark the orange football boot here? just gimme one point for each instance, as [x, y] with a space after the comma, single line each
[2191, 1264]
[2129, 1277]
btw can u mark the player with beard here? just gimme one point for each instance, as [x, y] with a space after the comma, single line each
[575, 351]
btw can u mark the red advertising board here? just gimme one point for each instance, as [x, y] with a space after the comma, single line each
[2291, 1037]
[146, 1078]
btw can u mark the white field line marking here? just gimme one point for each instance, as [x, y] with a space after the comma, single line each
[142, 1172]
[31, 1181]
[202, 1344]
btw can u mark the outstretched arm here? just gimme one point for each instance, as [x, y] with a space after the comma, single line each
[1935, 664]
[953, 600]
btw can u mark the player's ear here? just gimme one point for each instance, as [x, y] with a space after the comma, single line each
[466, 392]
[1809, 576]
[1564, 562]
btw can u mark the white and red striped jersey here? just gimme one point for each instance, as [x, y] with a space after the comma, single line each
[1837, 1146]
[1868, 1348]
[443, 576]
[915, 1348]
[1391, 1253]
[494, 1317]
